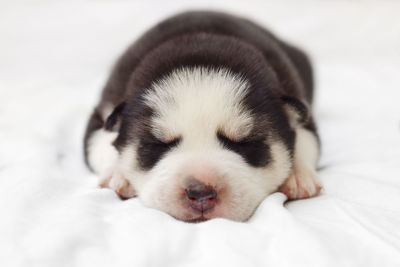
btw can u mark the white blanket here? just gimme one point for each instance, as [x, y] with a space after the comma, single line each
[54, 59]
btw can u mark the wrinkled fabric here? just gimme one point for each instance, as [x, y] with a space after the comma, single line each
[54, 59]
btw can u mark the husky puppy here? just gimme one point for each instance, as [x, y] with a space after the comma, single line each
[203, 117]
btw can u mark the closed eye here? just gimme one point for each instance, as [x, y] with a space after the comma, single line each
[229, 142]
[253, 151]
[152, 140]
[151, 150]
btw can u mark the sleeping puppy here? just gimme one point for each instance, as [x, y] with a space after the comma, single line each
[203, 117]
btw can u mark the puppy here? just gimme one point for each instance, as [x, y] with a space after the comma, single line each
[203, 117]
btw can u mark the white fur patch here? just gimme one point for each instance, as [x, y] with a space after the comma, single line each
[197, 102]
[102, 155]
[306, 148]
[303, 181]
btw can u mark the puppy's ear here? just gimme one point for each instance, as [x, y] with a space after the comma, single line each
[113, 121]
[298, 111]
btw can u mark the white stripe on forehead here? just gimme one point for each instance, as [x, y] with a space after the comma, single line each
[198, 102]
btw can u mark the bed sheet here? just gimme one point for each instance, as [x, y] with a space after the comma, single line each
[54, 59]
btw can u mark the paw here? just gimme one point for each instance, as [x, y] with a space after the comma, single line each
[119, 184]
[301, 183]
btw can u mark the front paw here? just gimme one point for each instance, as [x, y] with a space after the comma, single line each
[119, 184]
[301, 183]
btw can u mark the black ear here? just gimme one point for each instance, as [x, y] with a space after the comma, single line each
[297, 110]
[114, 120]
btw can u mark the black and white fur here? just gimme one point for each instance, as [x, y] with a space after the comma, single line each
[206, 102]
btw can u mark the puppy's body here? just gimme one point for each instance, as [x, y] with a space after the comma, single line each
[203, 117]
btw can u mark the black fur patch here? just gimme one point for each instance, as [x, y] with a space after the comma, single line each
[151, 150]
[254, 152]
[299, 107]
[114, 119]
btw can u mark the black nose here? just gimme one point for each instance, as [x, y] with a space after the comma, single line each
[201, 197]
[200, 193]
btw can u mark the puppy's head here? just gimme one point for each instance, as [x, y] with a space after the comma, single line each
[200, 144]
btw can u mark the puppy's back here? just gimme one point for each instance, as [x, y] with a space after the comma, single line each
[290, 64]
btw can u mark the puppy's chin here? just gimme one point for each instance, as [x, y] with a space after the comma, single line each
[187, 214]
[206, 217]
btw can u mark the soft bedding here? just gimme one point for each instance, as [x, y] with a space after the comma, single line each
[54, 59]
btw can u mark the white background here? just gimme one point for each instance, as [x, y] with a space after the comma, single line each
[54, 59]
